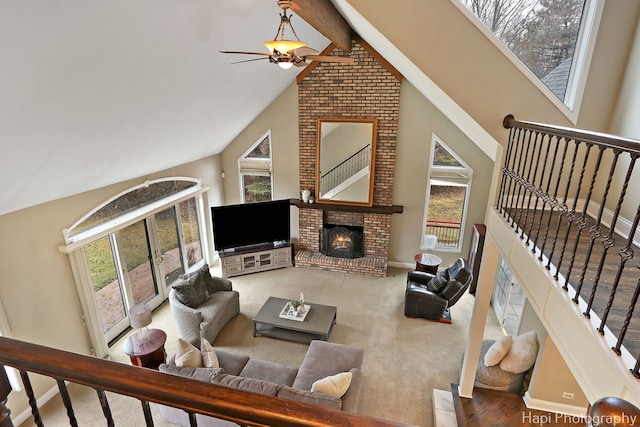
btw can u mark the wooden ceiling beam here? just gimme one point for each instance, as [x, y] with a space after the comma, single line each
[324, 17]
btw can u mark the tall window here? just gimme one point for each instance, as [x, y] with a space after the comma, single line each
[551, 37]
[446, 201]
[255, 171]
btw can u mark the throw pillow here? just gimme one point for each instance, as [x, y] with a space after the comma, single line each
[188, 355]
[436, 283]
[212, 284]
[205, 275]
[209, 357]
[498, 351]
[191, 291]
[522, 354]
[335, 385]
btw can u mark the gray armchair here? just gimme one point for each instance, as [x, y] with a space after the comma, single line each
[202, 305]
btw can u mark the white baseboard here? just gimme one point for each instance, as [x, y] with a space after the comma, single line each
[26, 414]
[560, 409]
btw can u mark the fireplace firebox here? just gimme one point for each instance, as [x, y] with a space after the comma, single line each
[342, 241]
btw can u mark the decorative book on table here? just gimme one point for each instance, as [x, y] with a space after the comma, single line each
[288, 312]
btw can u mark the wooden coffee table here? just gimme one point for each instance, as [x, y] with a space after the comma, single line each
[317, 325]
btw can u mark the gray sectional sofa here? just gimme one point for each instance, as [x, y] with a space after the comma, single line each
[322, 359]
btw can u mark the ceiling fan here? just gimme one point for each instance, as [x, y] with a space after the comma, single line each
[287, 53]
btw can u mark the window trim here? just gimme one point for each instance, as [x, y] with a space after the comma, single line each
[453, 175]
[585, 46]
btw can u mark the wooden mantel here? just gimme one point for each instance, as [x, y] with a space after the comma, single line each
[388, 210]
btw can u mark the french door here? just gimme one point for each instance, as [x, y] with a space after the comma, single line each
[139, 263]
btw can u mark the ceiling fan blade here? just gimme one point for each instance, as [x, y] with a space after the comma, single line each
[246, 53]
[304, 51]
[324, 58]
[249, 60]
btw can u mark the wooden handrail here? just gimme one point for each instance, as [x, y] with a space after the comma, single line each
[604, 139]
[148, 385]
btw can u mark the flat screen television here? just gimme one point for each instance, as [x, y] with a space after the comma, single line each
[235, 226]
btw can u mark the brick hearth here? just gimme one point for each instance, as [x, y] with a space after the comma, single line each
[368, 89]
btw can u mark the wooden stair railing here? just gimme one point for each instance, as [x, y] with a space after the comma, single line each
[147, 385]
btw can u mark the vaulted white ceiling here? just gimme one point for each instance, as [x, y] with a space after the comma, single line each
[96, 92]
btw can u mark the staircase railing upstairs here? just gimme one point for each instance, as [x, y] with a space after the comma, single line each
[345, 169]
[566, 192]
[150, 386]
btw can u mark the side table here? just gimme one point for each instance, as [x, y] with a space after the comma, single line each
[428, 263]
[146, 349]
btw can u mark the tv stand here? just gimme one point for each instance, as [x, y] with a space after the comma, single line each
[254, 258]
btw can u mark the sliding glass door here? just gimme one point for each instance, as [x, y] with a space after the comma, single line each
[171, 254]
[106, 282]
[139, 263]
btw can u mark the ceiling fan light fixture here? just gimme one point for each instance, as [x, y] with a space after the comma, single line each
[285, 64]
[287, 52]
[284, 46]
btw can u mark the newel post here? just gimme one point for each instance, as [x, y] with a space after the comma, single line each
[5, 389]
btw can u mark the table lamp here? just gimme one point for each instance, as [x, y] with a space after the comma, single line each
[430, 241]
[140, 318]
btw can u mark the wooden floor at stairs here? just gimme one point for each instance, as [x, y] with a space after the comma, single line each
[497, 408]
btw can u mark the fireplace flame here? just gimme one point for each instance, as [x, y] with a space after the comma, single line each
[341, 242]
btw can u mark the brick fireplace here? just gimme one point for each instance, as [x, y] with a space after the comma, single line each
[370, 88]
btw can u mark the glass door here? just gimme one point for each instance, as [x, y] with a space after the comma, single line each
[139, 263]
[171, 256]
[123, 274]
[190, 230]
[141, 284]
[107, 286]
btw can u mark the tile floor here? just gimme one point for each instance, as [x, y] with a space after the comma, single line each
[444, 414]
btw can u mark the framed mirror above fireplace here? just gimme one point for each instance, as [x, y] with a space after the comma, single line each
[345, 160]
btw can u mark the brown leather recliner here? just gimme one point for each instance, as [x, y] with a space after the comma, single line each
[429, 295]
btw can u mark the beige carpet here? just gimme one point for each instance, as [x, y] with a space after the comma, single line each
[405, 359]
